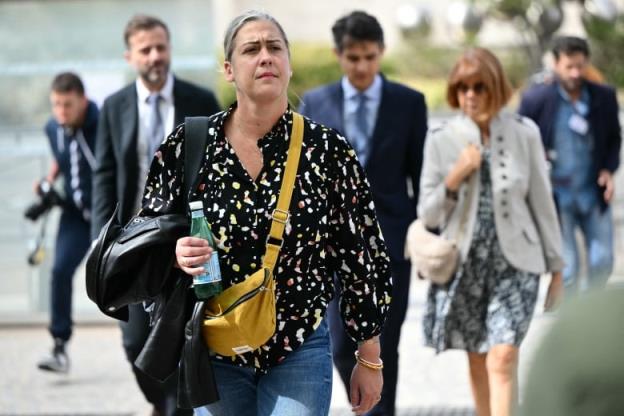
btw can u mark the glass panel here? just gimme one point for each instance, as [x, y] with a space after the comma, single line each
[39, 40]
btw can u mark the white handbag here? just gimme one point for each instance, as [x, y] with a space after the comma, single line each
[433, 256]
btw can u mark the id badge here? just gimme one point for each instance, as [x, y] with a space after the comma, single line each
[578, 124]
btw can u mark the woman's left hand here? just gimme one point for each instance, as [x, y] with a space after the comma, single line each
[366, 387]
[555, 292]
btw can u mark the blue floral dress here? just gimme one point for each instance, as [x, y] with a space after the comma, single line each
[489, 301]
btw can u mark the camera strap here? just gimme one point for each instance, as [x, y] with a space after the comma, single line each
[86, 151]
[80, 139]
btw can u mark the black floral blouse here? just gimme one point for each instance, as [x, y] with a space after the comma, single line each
[332, 230]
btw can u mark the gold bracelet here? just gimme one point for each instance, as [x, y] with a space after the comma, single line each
[373, 366]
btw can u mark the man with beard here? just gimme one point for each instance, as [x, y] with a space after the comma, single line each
[134, 121]
[578, 120]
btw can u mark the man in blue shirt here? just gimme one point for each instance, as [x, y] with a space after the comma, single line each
[386, 124]
[578, 120]
[71, 133]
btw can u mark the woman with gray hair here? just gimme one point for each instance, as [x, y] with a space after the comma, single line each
[331, 230]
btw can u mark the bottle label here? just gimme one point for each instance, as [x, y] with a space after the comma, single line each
[197, 214]
[212, 271]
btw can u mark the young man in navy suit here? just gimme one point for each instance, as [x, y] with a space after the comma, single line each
[580, 128]
[133, 123]
[71, 134]
[386, 124]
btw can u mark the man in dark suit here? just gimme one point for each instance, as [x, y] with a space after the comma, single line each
[578, 120]
[71, 134]
[386, 123]
[134, 121]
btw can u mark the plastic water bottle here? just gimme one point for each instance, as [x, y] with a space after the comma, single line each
[207, 284]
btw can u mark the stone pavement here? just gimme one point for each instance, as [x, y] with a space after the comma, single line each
[100, 381]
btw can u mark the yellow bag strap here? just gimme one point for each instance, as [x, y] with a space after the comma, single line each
[281, 214]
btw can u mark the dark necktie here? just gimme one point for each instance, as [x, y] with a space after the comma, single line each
[156, 128]
[360, 141]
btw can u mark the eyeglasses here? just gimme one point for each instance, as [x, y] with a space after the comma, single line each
[478, 88]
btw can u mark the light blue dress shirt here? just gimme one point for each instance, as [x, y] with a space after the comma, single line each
[350, 106]
[573, 170]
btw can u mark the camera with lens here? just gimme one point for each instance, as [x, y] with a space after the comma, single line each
[48, 198]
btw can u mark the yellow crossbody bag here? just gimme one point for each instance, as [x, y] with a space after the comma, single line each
[242, 317]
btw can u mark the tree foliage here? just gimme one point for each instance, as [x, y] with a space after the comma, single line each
[607, 44]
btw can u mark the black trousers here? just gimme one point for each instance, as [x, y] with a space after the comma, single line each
[343, 347]
[162, 395]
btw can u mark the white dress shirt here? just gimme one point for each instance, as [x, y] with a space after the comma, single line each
[167, 109]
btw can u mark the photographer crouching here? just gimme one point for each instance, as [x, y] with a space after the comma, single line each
[71, 133]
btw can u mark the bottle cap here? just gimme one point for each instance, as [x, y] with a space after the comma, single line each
[196, 205]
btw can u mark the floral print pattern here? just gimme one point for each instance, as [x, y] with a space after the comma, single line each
[332, 229]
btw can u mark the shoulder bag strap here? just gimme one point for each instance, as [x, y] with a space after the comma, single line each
[195, 140]
[281, 214]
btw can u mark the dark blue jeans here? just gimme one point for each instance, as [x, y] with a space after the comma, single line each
[301, 385]
[597, 230]
[72, 243]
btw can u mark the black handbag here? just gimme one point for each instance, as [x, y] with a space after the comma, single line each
[172, 309]
[197, 386]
